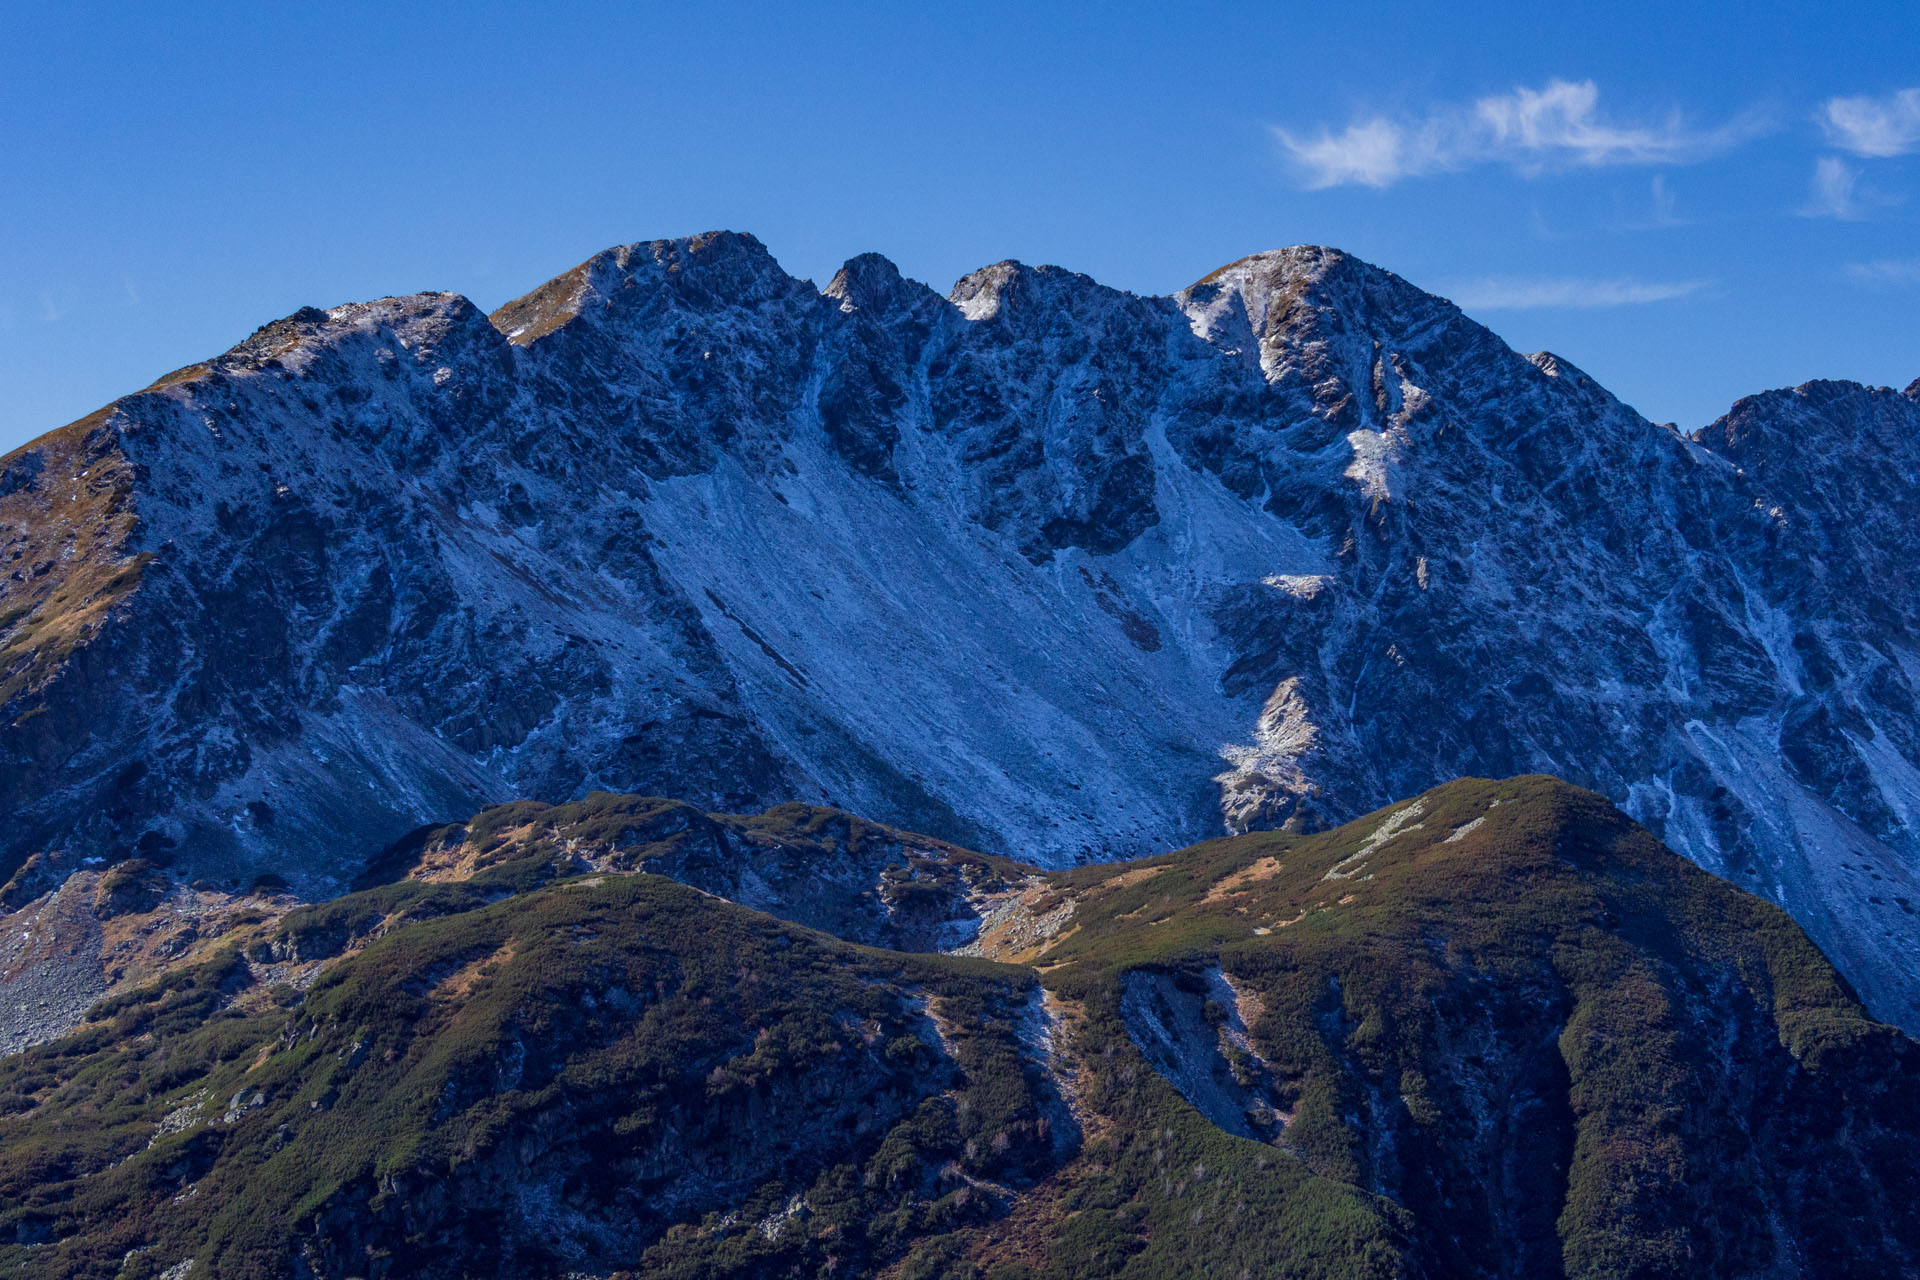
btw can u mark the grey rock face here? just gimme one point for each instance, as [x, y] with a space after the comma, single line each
[1041, 567]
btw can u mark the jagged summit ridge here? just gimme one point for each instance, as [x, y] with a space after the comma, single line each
[1045, 567]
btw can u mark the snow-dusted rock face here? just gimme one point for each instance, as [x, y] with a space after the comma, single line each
[1041, 567]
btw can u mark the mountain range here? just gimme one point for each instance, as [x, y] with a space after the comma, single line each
[1041, 567]
[695, 775]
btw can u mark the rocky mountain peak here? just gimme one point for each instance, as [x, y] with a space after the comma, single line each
[430, 329]
[1259, 281]
[871, 282]
[418, 324]
[1845, 418]
[1277, 292]
[1048, 568]
[1354, 333]
[710, 271]
[981, 294]
[714, 265]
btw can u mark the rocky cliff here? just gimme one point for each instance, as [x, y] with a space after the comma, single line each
[1041, 567]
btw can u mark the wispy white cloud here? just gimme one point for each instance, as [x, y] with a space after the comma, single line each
[1562, 121]
[1874, 127]
[1837, 192]
[1661, 210]
[1835, 183]
[1372, 153]
[1532, 130]
[1538, 224]
[1532, 293]
[1886, 271]
[1665, 207]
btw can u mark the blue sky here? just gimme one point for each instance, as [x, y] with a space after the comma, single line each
[1690, 201]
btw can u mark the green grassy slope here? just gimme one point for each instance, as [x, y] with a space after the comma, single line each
[1556, 1047]
[860, 881]
[1494, 1031]
[547, 1082]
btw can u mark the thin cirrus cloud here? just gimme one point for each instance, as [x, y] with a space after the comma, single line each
[1874, 128]
[1836, 192]
[1532, 130]
[1868, 128]
[1532, 293]
[1886, 271]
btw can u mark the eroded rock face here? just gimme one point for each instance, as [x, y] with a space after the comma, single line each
[1017, 567]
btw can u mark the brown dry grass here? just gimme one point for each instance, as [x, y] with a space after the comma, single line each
[1263, 869]
[461, 982]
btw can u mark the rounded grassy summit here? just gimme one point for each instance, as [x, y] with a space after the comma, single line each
[1495, 1030]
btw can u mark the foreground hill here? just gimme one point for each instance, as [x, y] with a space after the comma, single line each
[1017, 567]
[1494, 1031]
[104, 931]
